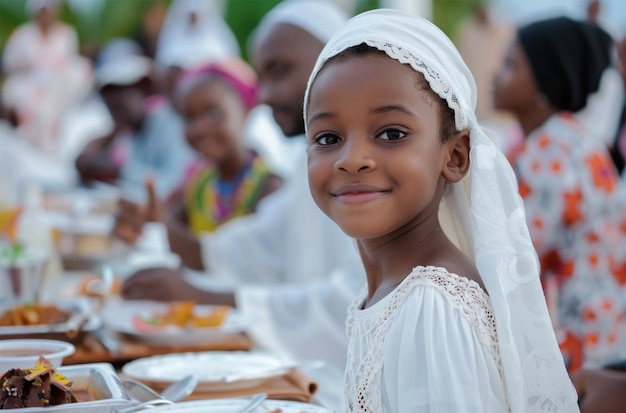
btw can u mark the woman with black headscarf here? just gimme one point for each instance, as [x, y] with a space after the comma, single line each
[569, 184]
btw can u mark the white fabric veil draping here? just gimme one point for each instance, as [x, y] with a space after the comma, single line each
[484, 214]
[188, 43]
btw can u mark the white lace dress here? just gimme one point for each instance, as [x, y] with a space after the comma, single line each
[429, 346]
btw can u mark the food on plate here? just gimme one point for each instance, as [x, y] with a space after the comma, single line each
[39, 386]
[28, 315]
[184, 314]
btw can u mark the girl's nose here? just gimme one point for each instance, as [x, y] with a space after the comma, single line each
[354, 157]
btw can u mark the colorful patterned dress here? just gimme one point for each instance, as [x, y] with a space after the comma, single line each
[577, 220]
[210, 202]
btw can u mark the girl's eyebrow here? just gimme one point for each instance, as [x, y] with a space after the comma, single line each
[393, 108]
[322, 115]
[377, 110]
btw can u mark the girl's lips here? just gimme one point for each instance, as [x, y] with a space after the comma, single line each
[358, 193]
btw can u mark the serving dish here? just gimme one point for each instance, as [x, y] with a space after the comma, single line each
[120, 315]
[22, 353]
[78, 307]
[98, 380]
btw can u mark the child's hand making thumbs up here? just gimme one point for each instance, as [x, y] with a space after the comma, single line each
[132, 216]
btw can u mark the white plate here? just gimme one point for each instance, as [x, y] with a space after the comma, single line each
[235, 405]
[118, 316]
[209, 366]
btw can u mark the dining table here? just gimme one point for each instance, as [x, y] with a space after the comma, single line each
[108, 334]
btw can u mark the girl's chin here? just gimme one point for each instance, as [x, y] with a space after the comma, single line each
[358, 233]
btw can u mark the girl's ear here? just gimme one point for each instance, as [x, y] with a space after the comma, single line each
[457, 161]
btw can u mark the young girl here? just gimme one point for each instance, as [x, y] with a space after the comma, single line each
[215, 101]
[231, 179]
[453, 319]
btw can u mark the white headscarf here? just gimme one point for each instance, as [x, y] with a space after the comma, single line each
[320, 18]
[189, 45]
[484, 211]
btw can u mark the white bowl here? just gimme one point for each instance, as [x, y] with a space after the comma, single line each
[22, 354]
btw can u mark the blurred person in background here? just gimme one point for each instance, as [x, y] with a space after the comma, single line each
[601, 114]
[230, 179]
[569, 184]
[289, 266]
[143, 142]
[185, 44]
[45, 74]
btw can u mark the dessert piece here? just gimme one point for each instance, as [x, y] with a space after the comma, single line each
[40, 386]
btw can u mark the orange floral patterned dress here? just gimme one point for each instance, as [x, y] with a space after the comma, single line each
[577, 220]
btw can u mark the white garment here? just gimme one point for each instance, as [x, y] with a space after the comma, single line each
[46, 77]
[28, 49]
[483, 214]
[604, 107]
[299, 274]
[434, 320]
[21, 163]
[195, 33]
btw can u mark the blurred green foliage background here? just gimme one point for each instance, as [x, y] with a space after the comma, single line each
[122, 18]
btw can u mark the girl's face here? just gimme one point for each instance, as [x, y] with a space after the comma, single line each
[375, 154]
[214, 117]
[514, 86]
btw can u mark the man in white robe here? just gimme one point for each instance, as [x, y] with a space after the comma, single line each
[295, 271]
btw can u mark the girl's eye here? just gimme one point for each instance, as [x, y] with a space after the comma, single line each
[326, 139]
[392, 134]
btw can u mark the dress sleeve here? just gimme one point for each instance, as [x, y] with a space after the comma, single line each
[435, 361]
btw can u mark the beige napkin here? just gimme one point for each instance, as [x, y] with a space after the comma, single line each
[294, 385]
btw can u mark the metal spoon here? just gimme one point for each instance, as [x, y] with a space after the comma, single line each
[181, 388]
[174, 392]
